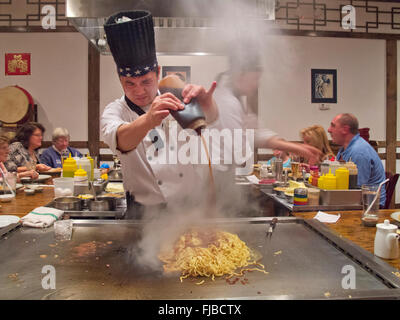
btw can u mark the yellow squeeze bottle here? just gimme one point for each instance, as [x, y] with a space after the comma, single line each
[321, 182]
[342, 178]
[91, 177]
[69, 167]
[329, 181]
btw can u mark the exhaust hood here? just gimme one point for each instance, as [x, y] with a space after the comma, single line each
[182, 27]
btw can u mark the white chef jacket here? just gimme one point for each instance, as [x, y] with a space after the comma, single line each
[150, 182]
[235, 114]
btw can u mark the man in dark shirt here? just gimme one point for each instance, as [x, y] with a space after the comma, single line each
[52, 155]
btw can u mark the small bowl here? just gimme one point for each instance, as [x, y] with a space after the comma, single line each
[29, 192]
[35, 188]
[6, 197]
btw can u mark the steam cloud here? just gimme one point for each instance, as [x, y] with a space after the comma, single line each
[232, 200]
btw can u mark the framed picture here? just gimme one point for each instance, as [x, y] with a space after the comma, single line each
[323, 86]
[17, 64]
[181, 72]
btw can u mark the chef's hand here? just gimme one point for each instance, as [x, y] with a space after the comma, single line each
[312, 154]
[203, 97]
[160, 108]
[42, 167]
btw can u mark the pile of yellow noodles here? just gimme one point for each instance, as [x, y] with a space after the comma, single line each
[208, 253]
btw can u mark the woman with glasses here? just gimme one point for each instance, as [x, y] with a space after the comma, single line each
[23, 157]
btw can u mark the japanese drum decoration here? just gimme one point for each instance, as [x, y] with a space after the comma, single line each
[16, 105]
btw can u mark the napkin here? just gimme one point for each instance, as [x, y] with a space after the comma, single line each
[253, 179]
[327, 218]
[41, 217]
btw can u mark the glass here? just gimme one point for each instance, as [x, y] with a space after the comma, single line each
[63, 230]
[295, 169]
[12, 179]
[63, 187]
[368, 194]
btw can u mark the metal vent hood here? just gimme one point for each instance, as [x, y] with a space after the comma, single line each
[182, 27]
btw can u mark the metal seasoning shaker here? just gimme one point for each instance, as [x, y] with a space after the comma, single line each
[192, 116]
[325, 167]
[278, 169]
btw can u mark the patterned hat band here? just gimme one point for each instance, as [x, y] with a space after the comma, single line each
[137, 71]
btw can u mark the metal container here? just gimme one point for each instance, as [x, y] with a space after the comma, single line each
[115, 175]
[102, 204]
[111, 200]
[340, 197]
[278, 169]
[68, 203]
[99, 186]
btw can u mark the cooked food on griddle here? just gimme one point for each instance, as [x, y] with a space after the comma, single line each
[209, 253]
[114, 187]
[85, 196]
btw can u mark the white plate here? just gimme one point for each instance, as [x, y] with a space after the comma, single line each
[396, 217]
[7, 220]
[41, 178]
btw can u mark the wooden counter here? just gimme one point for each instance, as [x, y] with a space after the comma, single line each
[23, 204]
[350, 227]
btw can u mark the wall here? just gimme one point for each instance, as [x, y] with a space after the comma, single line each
[58, 80]
[285, 98]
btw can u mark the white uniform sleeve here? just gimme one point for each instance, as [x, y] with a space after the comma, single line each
[111, 120]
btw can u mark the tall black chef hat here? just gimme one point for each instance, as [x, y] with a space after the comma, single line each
[130, 36]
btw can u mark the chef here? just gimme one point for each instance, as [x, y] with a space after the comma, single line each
[136, 126]
[241, 80]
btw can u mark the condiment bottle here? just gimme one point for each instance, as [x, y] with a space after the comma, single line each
[342, 178]
[80, 176]
[333, 165]
[69, 167]
[313, 197]
[192, 116]
[321, 184]
[329, 181]
[353, 174]
[91, 167]
[314, 175]
[84, 162]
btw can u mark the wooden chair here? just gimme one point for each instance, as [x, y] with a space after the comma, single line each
[390, 187]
